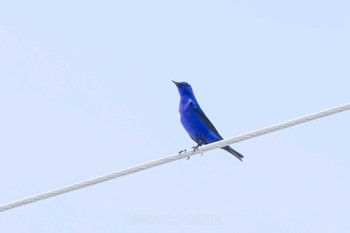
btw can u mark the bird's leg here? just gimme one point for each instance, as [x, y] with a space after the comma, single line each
[196, 148]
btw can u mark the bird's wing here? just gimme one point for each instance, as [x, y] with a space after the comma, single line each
[205, 119]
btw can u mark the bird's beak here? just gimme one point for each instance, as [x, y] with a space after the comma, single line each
[176, 83]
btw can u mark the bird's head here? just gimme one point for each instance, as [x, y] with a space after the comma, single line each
[184, 89]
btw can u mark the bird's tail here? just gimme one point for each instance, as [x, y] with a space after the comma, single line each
[233, 152]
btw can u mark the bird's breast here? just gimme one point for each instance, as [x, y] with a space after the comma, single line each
[189, 118]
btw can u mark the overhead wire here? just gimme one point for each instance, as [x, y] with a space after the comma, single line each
[173, 157]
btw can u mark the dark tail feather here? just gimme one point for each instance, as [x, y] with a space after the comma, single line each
[233, 152]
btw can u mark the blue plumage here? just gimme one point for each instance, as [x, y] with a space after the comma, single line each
[195, 122]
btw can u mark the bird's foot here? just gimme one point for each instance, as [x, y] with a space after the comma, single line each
[181, 151]
[195, 148]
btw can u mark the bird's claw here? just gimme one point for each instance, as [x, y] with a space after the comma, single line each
[181, 151]
[195, 147]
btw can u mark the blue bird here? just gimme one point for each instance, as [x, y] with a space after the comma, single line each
[195, 122]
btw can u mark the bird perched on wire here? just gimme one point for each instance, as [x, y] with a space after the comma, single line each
[195, 122]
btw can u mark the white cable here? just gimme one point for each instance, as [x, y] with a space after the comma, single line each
[173, 157]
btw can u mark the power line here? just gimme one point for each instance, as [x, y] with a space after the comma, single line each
[173, 157]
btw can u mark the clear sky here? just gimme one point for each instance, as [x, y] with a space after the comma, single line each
[85, 89]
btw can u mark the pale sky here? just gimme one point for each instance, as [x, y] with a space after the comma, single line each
[85, 89]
